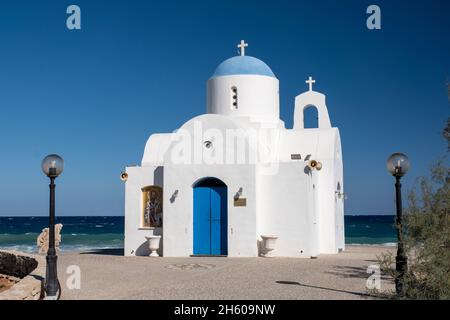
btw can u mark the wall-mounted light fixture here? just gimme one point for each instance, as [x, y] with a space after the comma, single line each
[208, 144]
[174, 196]
[238, 194]
[341, 194]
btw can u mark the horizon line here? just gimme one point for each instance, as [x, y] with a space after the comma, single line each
[87, 216]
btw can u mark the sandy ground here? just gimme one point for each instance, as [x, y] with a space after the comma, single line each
[108, 275]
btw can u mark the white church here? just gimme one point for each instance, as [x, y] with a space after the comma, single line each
[235, 181]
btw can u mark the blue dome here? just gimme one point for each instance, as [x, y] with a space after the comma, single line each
[243, 65]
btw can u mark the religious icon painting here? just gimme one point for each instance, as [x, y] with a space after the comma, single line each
[152, 202]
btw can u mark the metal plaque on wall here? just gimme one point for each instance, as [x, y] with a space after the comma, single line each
[241, 202]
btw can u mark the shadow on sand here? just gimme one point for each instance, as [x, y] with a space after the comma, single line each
[106, 252]
[328, 289]
[355, 272]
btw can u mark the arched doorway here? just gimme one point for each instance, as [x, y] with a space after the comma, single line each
[210, 217]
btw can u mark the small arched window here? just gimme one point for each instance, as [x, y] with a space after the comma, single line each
[234, 98]
[310, 117]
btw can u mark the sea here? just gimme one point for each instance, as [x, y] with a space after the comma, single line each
[87, 233]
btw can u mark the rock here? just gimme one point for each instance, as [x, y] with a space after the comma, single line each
[16, 265]
[42, 239]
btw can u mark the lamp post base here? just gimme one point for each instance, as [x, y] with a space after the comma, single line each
[401, 268]
[51, 279]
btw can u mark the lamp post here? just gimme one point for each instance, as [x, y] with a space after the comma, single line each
[52, 166]
[398, 164]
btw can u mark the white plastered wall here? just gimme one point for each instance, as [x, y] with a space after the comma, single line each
[320, 145]
[139, 177]
[178, 215]
[286, 209]
[257, 97]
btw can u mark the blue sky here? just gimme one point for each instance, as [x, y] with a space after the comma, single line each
[138, 67]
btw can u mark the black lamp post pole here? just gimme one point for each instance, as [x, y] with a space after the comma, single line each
[401, 261]
[51, 285]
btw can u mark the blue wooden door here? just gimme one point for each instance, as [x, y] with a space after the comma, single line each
[210, 220]
[202, 233]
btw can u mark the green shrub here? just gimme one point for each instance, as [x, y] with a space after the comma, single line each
[427, 236]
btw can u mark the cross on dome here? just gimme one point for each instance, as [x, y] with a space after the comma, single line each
[242, 46]
[310, 81]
